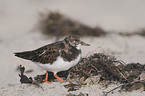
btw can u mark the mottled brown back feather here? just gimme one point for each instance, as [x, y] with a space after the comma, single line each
[49, 53]
[45, 54]
[71, 54]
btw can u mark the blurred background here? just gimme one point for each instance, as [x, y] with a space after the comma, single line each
[110, 26]
[18, 16]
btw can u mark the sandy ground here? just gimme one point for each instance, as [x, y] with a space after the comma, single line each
[16, 34]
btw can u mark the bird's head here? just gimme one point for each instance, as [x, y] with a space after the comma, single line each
[74, 40]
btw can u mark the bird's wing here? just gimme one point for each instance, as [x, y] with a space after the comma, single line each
[46, 54]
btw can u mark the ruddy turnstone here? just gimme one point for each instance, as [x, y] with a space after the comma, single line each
[56, 57]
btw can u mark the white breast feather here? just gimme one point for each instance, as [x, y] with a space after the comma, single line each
[59, 64]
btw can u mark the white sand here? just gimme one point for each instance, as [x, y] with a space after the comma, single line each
[17, 19]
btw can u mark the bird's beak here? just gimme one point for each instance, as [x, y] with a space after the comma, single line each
[85, 44]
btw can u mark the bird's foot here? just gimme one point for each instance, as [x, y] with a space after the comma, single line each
[58, 78]
[46, 81]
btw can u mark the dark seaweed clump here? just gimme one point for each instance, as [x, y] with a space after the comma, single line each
[81, 94]
[110, 70]
[24, 78]
[108, 67]
[140, 32]
[56, 24]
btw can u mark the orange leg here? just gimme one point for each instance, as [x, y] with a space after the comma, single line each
[55, 75]
[45, 80]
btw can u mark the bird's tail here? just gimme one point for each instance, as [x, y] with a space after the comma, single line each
[24, 55]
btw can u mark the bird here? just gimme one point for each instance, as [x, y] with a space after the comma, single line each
[57, 56]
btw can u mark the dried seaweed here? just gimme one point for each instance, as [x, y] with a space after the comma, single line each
[110, 70]
[27, 71]
[135, 85]
[140, 32]
[56, 24]
[24, 78]
[81, 94]
[72, 86]
[94, 65]
[108, 67]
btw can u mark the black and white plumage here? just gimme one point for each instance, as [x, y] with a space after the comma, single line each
[56, 57]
